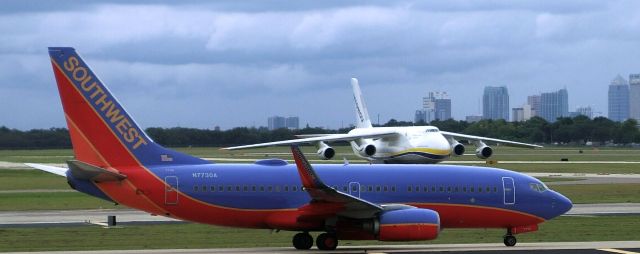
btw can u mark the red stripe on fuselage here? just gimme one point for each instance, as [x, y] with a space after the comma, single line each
[468, 216]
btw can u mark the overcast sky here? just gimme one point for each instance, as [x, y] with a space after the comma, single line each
[234, 63]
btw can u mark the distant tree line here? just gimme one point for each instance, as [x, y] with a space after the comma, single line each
[575, 131]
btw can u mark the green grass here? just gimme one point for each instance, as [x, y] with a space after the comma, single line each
[30, 180]
[187, 236]
[37, 156]
[559, 179]
[51, 201]
[600, 193]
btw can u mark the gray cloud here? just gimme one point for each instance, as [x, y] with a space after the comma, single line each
[233, 63]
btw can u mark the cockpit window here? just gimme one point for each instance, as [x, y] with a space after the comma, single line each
[538, 187]
[432, 130]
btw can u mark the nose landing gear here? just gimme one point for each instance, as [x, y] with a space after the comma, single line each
[509, 239]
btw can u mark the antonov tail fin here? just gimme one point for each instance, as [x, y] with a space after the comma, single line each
[362, 115]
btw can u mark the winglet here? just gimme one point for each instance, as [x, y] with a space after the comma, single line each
[310, 179]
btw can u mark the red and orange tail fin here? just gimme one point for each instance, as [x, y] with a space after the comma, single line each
[102, 132]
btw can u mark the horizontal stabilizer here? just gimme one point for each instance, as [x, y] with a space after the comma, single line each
[84, 171]
[51, 169]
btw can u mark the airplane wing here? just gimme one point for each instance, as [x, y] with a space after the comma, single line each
[326, 138]
[324, 196]
[50, 169]
[447, 134]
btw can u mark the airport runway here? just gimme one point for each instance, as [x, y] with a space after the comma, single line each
[127, 216]
[628, 247]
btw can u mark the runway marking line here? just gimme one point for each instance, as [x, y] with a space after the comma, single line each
[618, 251]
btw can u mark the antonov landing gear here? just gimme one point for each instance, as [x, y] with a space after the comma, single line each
[327, 241]
[302, 241]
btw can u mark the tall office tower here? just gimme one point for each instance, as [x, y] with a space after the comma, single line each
[443, 106]
[495, 103]
[521, 114]
[534, 102]
[276, 122]
[554, 105]
[618, 99]
[292, 122]
[585, 111]
[435, 106]
[634, 96]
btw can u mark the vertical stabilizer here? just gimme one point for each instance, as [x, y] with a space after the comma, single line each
[362, 115]
[102, 133]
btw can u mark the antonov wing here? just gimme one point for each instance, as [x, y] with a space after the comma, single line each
[478, 138]
[326, 138]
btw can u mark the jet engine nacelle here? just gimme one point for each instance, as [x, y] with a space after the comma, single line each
[414, 224]
[325, 151]
[367, 150]
[457, 149]
[484, 152]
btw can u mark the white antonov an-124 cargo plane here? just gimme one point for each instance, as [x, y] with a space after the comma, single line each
[413, 144]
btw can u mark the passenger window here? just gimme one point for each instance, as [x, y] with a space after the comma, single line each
[409, 189]
[253, 188]
[441, 188]
[294, 188]
[270, 188]
[286, 188]
[479, 189]
[213, 188]
[261, 188]
[495, 189]
[245, 188]
[433, 188]
[363, 188]
[220, 188]
[449, 189]
[238, 188]
[464, 189]
[385, 188]
[277, 188]
[455, 189]
[488, 189]
[377, 188]
[393, 188]
[417, 188]
[344, 188]
[370, 188]
[471, 189]
[229, 188]
[195, 188]
[425, 188]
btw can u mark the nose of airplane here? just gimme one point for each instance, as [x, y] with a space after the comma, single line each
[562, 204]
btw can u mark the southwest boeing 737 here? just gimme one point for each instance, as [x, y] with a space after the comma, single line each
[116, 161]
[415, 144]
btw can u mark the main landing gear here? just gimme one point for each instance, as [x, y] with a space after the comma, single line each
[509, 239]
[325, 241]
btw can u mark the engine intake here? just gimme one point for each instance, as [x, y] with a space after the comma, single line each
[325, 151]
[367, 150]
[484, 152]
[457, 149]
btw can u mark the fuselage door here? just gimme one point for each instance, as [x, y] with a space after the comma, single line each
[171, 190]
[354, 189]
[509, 191]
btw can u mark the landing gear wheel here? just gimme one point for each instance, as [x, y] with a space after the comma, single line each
[302, 241]
[510, 240]
[327, 241]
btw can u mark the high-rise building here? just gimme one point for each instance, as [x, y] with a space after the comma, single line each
[495, 103]
[435, 106]
[634, 96]
[472, 119]
[534, 102]
[585, 111]
[618, 99]
[276, 122]
[521, 114]
[292, 122]
[554, 105]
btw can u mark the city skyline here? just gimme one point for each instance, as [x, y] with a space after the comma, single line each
[230, 63]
